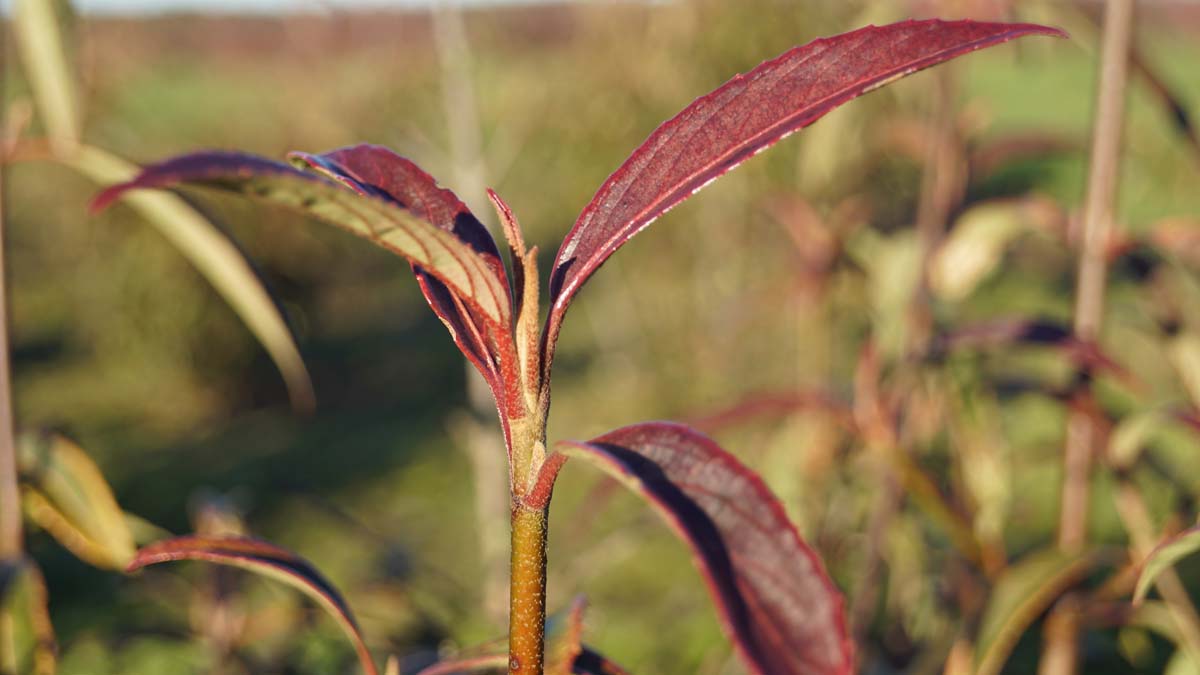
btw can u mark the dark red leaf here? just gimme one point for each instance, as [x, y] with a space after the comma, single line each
[772, 594]
[263, 558]
[389, 201]
[377, 171]
[743, 117]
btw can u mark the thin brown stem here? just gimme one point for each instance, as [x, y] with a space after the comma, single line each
[1060, 651]
[1090, 284]
[10, 507]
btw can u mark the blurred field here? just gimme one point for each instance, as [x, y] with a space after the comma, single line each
[119, 342]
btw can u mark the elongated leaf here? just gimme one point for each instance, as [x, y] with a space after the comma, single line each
[269, 560]
[215, 257]
[741, 118]
[375, 170]
[1020, 596]
[379, 220]
[1168, 552]
[64, 492]
[773, 597]
[39, 37]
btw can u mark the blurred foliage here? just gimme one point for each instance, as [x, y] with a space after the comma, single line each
[774, 279]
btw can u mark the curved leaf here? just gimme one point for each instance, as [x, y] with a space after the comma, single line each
[39, 38]
[1168, 552]
[1020, 595]
[64, 492]
[215, 257]
[269, 560]
[379, 220]
[743, 117]
[773, 597]
[377, 171]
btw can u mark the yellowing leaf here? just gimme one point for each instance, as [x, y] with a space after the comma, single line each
[64, 492]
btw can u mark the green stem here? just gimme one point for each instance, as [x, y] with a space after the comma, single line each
[527, 591]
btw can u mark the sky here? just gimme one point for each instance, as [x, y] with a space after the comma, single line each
[261, 6]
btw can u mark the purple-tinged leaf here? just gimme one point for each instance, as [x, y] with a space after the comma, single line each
[773, 597]
[269, 560]
[1084, 354]
[380, 220]
[589, 662]
[743, 117]
[377, 171]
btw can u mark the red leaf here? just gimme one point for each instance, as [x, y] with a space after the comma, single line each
[376, 170]
[263, 558]
[389, 201]
[772, 594]
[743, 117]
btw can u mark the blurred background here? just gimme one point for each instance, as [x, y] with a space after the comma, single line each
[783, 310]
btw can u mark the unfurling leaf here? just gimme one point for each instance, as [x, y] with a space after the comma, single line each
[773, 597]
[743, 117]
[1019, 597]
[64, 492]
[1168, 552]
[266, 559]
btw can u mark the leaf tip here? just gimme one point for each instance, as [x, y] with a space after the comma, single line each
[106, 197]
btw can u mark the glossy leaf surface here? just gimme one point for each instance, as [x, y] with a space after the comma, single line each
[63, 491]
[377, 171]
[269, 560]
[772, 594]
[380, 220]
[743, 117]
[1165, 555]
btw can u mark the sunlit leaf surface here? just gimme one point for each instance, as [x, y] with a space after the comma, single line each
[772, 594]
[269, 560]
[743, 117]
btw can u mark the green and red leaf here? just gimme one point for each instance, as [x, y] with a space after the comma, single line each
[386, 199]
[772, 594]
[372, 170]
[743, 117]
[266, 559]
